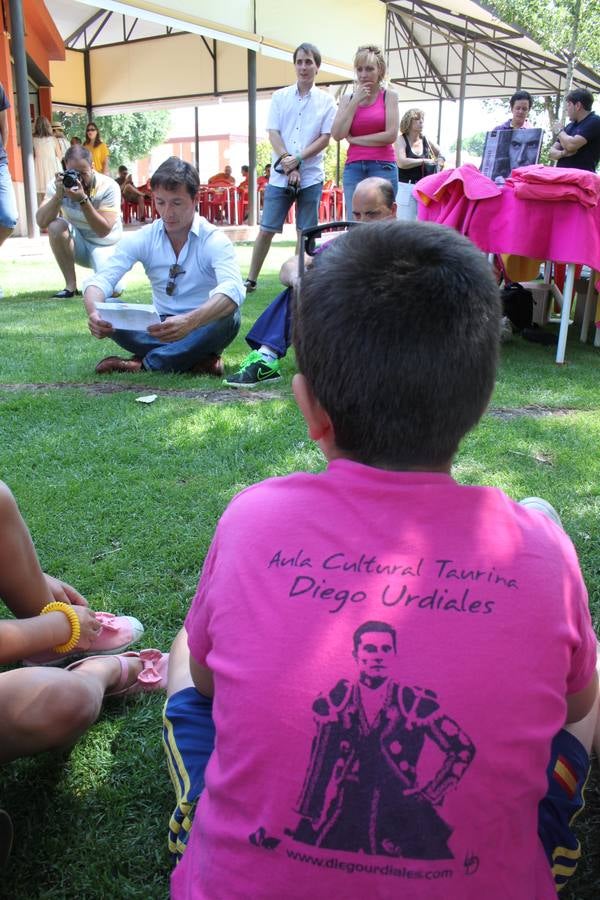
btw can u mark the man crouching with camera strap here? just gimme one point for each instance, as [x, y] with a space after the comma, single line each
[82, 212]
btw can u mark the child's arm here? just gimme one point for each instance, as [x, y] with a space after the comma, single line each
[202, 678]
[20, 638]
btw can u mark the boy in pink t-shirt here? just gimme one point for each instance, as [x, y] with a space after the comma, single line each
[393, 656]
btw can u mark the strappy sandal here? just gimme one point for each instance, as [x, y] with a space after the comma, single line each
[153, 676]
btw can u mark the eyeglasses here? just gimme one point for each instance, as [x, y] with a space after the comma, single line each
[174, 271]
[90, 129]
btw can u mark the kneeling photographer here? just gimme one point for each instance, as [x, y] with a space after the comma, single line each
[82, 212]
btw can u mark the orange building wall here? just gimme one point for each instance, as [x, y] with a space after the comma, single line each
[42, 43]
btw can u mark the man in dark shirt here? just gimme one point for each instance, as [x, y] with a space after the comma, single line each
[578, 144]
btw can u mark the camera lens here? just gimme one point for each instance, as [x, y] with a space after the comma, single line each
[70, 178]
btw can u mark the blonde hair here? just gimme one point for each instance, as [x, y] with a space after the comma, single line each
[409, 116]
[371, 53]
[42, 127]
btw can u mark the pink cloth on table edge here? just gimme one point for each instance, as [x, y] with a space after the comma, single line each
[475, 186]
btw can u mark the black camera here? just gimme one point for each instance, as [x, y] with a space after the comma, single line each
[70, 178]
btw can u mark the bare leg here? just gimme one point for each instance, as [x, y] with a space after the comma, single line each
[44, 709]
[61, 244]
[22, 584]
[259, 253]
[4, 233]
[179, 665]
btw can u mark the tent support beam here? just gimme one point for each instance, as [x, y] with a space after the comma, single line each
[252, 211]
[461, 102]
[17, 42]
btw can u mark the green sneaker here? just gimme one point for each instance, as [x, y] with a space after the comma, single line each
[254, 370]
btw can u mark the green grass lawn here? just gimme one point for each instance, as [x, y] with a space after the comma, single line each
[122, 499]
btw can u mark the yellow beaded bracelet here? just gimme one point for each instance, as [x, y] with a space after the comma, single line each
[57, 606]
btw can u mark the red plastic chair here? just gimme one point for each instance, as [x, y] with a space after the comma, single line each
[241, 206]
[129, 211]
[326, 205]
[218, 204]
[338, 204]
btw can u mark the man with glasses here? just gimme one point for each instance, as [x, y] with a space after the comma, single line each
[82, 212]
[196, 284]
[271, 335]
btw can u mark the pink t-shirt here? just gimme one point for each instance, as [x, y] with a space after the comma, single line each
[391, 654]
[370, 120]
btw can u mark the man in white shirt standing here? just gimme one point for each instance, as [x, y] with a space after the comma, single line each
[299, 126]
[196, 284]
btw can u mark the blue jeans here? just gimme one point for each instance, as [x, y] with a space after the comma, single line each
[8, 204]
[274, 326]
[356, 172]
[181, 355]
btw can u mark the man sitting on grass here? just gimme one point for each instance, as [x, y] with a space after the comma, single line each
[403, 667]
[197, 288]
[270, 336]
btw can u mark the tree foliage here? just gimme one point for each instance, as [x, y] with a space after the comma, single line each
[555, 23]
[473, 144]
[129, 136]
[263, 155]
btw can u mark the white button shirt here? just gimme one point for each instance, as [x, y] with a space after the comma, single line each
[207, 257]
[300, 120]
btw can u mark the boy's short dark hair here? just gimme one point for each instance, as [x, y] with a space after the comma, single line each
[172, 173]
[397, 332]
[308, 48]
[521, 95]
[580, 95]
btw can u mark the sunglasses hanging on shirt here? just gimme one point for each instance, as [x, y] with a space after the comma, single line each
[174, 271]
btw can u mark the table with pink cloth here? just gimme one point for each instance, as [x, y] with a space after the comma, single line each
[497, 220]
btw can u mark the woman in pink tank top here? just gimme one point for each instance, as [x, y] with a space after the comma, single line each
[368, 120]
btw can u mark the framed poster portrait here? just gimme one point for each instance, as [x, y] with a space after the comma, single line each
[507, 149]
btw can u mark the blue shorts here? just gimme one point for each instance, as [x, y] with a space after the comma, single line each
[188, 739]
[567, 775]
[87, 254]
[278, 202]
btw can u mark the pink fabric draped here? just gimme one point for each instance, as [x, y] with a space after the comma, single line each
[498, 221]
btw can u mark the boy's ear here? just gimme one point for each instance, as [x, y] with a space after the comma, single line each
[317, 419]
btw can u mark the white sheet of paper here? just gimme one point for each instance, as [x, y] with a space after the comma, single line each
[129, 316]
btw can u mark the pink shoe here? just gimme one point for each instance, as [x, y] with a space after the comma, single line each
[115, 636]
[153, 676]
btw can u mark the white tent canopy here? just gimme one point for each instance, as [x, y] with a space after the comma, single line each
[451, 50]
